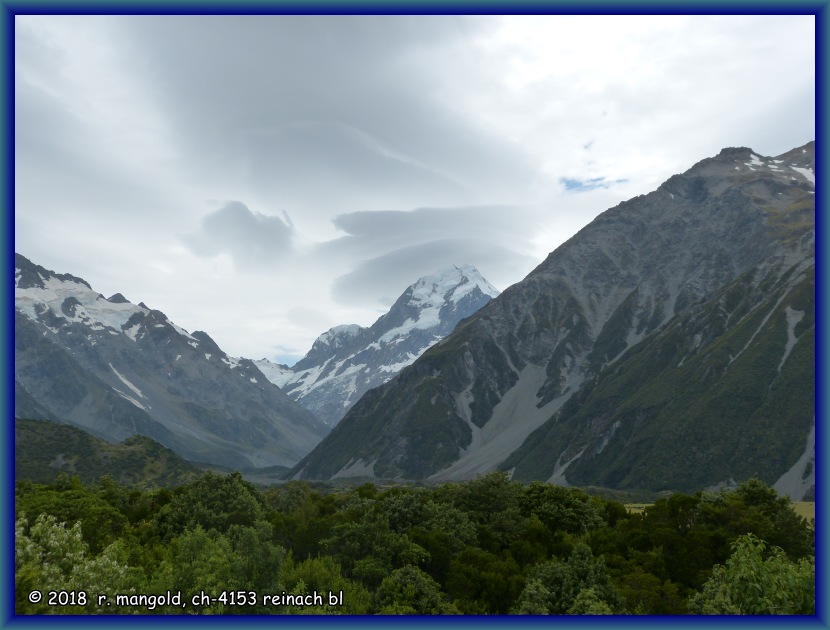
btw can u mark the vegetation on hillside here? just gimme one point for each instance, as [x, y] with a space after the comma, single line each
[44, 450]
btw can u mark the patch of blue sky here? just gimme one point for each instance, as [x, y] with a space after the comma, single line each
[584, 185]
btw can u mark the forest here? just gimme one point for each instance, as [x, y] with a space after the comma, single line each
[490, 546]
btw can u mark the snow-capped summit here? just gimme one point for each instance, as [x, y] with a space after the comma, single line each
[436, 303]
[337, 335]
[346, 361]
[450, 284]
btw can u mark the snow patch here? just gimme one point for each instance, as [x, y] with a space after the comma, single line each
[92, 308]
[132, 331]
[394, 368]
[754, 160]
[231, 362]
[123, 379]
[130, 398]
[807, 173]
[277, 374]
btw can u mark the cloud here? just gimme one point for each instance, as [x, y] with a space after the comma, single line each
[391, 229]
[383, 278]
[323, 114]
[253, 240]
[397, 144]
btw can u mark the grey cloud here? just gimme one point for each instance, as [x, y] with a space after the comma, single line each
[335, 166]
[326, 106]
[252, 239]
[508, 225]
[388, 250]
[383, 278]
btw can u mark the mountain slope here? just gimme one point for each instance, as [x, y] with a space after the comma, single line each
[117, 369]
[624, 351]
[43, 450]
[347, 361]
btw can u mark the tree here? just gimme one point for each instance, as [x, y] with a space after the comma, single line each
[323, 575]
[483, 582]
[257, 562]
[365, 546]
[564, 581]
[787, 529]
[212, 502]
[589, 602]
[51, 557]
[562, 509]
[758, 580]
[490, 501]
[302, 517]
[203, 563]
[410, 591]
[69, 501]
[533, 600]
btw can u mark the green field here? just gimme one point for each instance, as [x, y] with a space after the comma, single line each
[807, 509]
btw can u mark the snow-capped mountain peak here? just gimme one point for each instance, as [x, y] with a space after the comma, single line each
[434, 300]
[346, 361]
[450, 284]
[339, 335]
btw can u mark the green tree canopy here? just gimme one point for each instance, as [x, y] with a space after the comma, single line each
[410, 591]
[49, 556]
[212, 502]
[758, 580]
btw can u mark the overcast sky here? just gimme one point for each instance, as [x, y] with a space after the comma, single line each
[263, 178]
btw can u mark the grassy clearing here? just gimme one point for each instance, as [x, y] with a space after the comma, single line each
[807, 509]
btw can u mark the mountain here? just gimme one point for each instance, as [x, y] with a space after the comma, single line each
[117, 369]
[347, 361]
[669, 344]
[43, 450]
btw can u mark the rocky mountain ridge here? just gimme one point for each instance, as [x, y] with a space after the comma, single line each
[118, 369]
[567, 376]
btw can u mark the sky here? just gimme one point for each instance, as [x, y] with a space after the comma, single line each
[264, 178]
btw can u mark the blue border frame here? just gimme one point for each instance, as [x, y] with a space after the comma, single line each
[8, 9]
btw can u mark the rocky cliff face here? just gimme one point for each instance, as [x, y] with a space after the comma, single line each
[347, 361]
[668, 345]
[118, 369]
